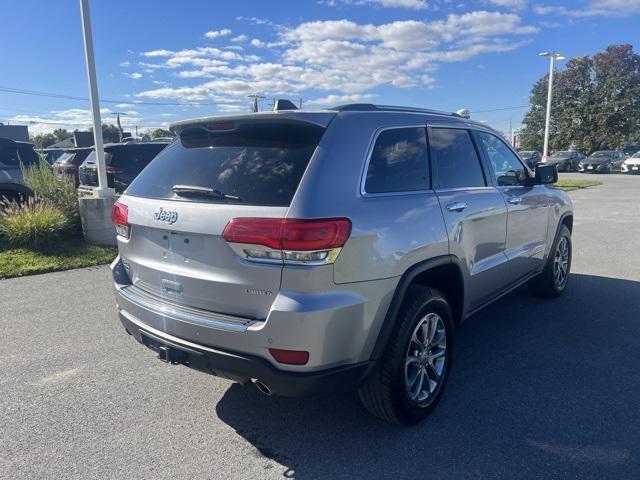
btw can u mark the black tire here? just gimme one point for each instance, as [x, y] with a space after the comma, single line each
[384, 392]
[545, 285]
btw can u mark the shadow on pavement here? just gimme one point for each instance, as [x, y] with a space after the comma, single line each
[539, 389]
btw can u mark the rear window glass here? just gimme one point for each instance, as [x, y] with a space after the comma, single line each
[135, 157]
[27, 154]
[399, 161]
[8, 153]
[259, 162]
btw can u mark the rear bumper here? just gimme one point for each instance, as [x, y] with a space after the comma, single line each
[244, 368]
[238, 349]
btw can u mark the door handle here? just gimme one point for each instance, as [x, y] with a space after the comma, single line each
[456, 206]
[515, 200]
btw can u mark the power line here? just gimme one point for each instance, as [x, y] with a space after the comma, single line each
[38, 93]
[500, 109]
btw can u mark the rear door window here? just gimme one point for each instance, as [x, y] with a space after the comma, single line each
[399, 161]
[262, 163]
[456, 159]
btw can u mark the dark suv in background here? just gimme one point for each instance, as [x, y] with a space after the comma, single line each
[565, 160]
[124, 162]
[67, 164]
[12, 155]
[530, 157]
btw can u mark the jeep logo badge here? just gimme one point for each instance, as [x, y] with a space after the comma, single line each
[165, 216]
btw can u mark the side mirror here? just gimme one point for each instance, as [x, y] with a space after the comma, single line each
[546, 174]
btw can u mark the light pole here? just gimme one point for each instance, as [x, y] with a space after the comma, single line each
[103, 190]
[553, 56]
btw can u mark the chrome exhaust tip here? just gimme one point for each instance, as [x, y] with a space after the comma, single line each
[261, 386]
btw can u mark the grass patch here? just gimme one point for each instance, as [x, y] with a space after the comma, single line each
[568, 185]
[67, 253]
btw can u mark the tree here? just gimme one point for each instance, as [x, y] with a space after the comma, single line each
[43, 140]
[62, 134]
[161, 132]
[596, 103]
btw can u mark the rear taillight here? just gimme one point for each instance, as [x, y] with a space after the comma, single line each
[314, 242]
[120, 219]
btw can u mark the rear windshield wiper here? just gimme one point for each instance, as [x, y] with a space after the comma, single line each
[186, 190]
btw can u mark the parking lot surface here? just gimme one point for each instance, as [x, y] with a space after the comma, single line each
[539, 389]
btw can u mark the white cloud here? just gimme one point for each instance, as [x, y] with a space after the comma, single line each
[124, 105]
[240, 38]
[217, 33]
[133, 76]
[410, 4]
[514, 4]
[331, 100]
[339, 58]
[593, 8]
[71, 119]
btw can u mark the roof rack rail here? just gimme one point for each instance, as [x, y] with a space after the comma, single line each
[370, 107]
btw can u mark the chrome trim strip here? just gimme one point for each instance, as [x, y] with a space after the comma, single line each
[216, 320]
[166, 336]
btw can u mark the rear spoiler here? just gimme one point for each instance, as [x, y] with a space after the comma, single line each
[319, 118]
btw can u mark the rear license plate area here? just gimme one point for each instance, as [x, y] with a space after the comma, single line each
[169, 352]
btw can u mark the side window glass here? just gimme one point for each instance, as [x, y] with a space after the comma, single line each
[398, 162]
[505, 164]
[457, 161]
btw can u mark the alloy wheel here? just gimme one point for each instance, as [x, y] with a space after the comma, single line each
[425, 360]
[561, 263]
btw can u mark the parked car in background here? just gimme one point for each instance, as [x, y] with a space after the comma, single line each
[124, 161]
[602, 161]
[12, 155]
[565, 160]
[530, 157]
[68, 163]
[632, 165]
[314, 252]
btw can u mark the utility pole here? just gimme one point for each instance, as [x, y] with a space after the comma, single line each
[553, 56]
[254, 105]
[103, 190]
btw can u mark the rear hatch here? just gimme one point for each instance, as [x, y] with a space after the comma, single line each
[179, 206]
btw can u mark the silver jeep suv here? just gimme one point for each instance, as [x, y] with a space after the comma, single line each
[317, 251]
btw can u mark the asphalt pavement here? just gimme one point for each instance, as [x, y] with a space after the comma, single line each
[539, 389]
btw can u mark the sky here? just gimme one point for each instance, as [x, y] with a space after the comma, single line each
[161, 61]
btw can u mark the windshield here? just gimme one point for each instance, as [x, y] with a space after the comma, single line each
[636, 155]
[561, 154]
[65, 157]
[602, 154]
[91, 158]
[260, 162]
[527, 154]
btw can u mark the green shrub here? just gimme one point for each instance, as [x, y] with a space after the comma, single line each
[59, 192]
[34, 223]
